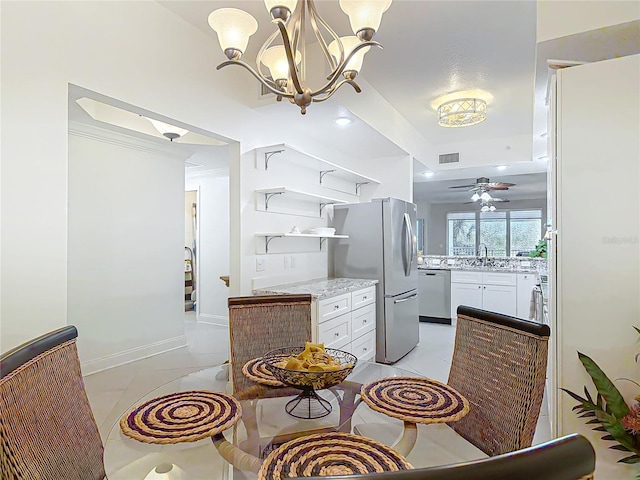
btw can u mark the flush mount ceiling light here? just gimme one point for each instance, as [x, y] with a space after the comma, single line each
[462, 112]
[286, 70]
[170, 131]
[429, 174]
[502, 167]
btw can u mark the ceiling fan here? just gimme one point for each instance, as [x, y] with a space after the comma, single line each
[491, 200]
[488, 206]
[484, 185]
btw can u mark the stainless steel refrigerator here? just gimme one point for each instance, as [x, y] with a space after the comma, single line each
[382, 246]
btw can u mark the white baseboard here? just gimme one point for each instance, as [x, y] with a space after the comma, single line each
[211, 319]
[128, 356]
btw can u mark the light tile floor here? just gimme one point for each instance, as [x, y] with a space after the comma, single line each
[112, 392]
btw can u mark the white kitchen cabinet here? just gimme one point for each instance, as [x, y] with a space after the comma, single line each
[492, 291]
[525, 284]
[500, 299]
[336, 333]
[347, 322]
[469, 294]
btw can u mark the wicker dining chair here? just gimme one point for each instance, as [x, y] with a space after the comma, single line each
[567, 458]
[261, 323]
[47, 429]
[499, 364]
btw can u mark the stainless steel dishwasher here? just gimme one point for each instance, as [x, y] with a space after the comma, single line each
[434, 294]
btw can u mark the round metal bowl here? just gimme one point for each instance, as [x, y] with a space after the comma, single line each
[304, 379]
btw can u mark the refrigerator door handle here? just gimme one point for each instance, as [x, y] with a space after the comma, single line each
[408, 241]
[414, 242]
[415, 295]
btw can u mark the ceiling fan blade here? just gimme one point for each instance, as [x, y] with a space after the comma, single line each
[499, 200]
[501, 184]
[464, 186]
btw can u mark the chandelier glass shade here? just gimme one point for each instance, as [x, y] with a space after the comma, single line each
[462, 112]
[286, 71]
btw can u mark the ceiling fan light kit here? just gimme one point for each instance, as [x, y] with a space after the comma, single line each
[286, 70]
[462, 112]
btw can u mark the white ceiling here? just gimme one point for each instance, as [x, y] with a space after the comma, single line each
[527, 186]
[107, 117]
[431, 48]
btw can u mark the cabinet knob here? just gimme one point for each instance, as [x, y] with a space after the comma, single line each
[364, 298]
[479, 286]
[364, 349]
[337, 334]
[336, 307]
[364, 321]
[485, 288]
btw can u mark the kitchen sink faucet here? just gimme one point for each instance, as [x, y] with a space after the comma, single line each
[484, 259]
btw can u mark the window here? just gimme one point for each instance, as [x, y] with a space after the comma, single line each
[504, 233]
[526, 228]
[461, 234]
[493, 233]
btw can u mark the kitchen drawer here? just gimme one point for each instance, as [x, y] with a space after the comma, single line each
[363, 320]
[466, 277]
[498, 278]
[333, 307]
[363, 297]
[364, 347]
[335, 333]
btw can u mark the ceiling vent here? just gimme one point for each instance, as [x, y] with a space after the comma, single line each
[449, 158]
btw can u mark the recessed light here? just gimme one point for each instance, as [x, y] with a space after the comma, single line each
[429, 174]
[343, 121]
[502, 167]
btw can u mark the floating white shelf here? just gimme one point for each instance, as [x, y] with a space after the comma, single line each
[271, 235]
[276, 153]
[320, 200]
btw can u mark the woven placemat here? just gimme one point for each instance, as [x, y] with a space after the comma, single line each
[414, 399]
[181, 417]
[334, 453]
[257, 371]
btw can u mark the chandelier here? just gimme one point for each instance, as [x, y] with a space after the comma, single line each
[462, 112]
[286, 69]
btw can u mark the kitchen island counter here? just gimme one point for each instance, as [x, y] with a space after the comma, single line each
[319, 288]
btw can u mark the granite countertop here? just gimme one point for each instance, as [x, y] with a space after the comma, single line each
[319, 288]
[493, 264]
[488, 268]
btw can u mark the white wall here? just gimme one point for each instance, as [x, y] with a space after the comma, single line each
[309, 261]
[212, 254]
[125, 287]
[121, 50]
[559, 18]
[598, 259]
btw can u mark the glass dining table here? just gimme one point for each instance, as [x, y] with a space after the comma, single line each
[237, 452]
